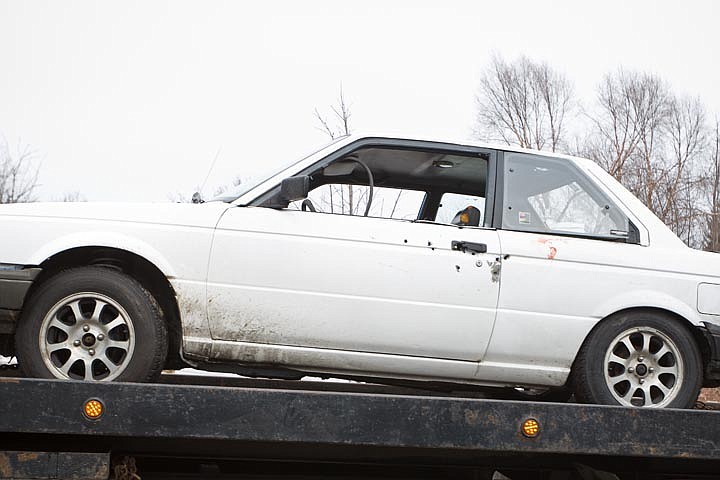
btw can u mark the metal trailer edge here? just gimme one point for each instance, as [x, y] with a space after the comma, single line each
[67, 429]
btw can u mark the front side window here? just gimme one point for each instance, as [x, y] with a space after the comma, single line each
[427, 185]
[344, 199]
[548, 195]
[452, 203]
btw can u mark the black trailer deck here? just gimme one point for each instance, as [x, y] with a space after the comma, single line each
[268, 429]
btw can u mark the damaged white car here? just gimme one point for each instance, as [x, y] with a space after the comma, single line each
[373, 258]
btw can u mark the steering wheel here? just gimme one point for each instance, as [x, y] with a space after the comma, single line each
[307, 205]
[371, 184]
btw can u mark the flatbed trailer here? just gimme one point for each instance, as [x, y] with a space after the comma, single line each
[203, 427]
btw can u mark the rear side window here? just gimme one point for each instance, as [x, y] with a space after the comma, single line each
[548, 195]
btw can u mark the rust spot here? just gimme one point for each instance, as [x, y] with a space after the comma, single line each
[28, 456]
[472, 417]
[552, 250]
[4, 466]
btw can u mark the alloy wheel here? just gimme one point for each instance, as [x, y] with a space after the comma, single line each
[643, 368]
[87, 336]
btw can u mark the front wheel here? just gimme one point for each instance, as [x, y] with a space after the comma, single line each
[641, 359]
[92, 323]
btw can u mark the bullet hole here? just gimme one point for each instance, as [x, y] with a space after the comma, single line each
[457, 268]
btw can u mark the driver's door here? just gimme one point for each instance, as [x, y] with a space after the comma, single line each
[351, 283]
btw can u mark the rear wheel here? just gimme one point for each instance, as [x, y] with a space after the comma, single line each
[641, 359]
[92, 323]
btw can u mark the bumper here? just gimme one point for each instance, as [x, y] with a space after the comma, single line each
[15, 281]
[712, 371]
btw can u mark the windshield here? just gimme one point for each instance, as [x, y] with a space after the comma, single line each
[252, 182]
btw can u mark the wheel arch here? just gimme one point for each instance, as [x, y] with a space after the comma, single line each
[101, 239]
[143, 270]
[697, 335]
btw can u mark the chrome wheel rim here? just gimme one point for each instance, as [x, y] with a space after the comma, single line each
[643, 368]
[87, 336]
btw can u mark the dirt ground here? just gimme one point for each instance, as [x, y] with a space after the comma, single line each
[710, 395]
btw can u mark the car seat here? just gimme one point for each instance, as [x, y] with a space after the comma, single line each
[467, 217]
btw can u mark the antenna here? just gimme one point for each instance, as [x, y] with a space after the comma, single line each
[217, 154]
[197, 196]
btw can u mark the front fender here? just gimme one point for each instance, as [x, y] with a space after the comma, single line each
[102, 239]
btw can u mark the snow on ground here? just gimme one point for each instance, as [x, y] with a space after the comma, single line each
[7, 360]
[204, 373]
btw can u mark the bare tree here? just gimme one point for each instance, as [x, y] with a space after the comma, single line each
[337, 125]
[18, 174]
[641, 133]
[652, 102]
[630, 108]
[652, 141]
[712, 217]
[523, 103]
[73, 197]
[679, 176]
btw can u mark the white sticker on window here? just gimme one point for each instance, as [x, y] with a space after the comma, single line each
[524, 217]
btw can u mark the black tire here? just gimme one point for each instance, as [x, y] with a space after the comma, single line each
[142, 336]
[592, 362]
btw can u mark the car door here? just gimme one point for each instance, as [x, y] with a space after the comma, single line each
[567, 246]
[352, 283]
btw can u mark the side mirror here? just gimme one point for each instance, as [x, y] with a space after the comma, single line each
[294, 188]
[291, 189]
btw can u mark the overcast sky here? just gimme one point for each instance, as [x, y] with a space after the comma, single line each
[132, 100]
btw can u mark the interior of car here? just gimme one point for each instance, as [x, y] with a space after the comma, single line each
[407, 184]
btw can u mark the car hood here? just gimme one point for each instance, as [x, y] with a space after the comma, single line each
[187, 214]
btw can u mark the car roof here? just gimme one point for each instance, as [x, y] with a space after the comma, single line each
[467, 143]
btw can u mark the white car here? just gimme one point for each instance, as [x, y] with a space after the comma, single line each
[445, 262]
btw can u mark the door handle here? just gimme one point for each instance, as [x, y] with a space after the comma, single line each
[473, 247]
